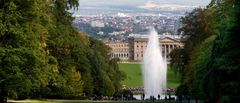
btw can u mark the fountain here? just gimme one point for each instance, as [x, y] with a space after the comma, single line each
[154, 67]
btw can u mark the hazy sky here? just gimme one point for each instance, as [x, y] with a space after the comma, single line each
[141, 2]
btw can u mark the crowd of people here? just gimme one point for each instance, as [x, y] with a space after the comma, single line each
[136, 89]
[129, 96]
[116, 98]
[141, 89]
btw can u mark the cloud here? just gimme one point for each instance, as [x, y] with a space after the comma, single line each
[153, 5]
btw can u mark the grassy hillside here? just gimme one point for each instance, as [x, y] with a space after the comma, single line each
[134, 76]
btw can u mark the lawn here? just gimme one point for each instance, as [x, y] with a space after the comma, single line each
[134, 76]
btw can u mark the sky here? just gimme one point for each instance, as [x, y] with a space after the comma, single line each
[141, 2]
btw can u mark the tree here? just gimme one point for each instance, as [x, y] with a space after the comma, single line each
[23, 55]
[43, 56]
[212, 53]
[196, 28]
[225, 63]
[201, 67]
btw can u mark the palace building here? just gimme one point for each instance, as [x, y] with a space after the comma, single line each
[133, 48]
[119, 49]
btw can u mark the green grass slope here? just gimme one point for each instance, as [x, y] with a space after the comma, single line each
[134, 74]
[135, 79]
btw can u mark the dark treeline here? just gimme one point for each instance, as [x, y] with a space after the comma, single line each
[209, 62]
[43, 56]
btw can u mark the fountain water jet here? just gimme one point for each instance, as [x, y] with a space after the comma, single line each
[154, 67]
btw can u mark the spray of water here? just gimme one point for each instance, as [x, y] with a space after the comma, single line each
[154, 67]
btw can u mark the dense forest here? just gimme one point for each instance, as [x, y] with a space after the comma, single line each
[43, 56]
[209, 62]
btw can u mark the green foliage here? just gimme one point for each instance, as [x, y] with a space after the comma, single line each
[211, 53]
[177, 62]
[43, 56]
[105, 72]
[21, 72]
[225, 64]
[201, 67]
[23, 55]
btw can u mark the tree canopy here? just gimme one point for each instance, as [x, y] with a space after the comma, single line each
[209, 59]
[43, 56]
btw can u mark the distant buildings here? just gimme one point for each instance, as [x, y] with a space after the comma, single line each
[133, 48]
[97, 24]
[122, 24]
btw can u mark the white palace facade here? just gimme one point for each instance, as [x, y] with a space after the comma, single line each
[133, 48]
